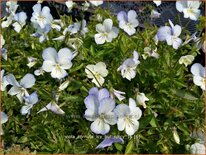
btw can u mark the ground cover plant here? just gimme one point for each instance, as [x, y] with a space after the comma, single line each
[102, 84]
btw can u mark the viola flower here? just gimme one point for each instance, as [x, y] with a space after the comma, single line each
[4, 119]
[20, 21]
[128, 117]
[74, 28]
[186, 60]
[128, 68]
[85, 6]
[52, 106]
[197, 148]
[109, 141]
[11, 7]
[100, 110]
[84, 29]
[31, 61]
[118, 94]
[96, 3]
[20, 89]
[70, 5]
[56, 63]
[41, 17]
[42, 33]
[30, 101]
[106, 32]
[189, 8]
[3, 80]
[128, 21]
[97, 73]
[170, 35]
[141, 99]
[198, 72]
[157, 2]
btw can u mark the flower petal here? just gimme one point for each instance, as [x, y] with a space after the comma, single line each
[48, 65]
[58, 73]
[132, 127]
[198, 70]
[122, 110]
[99, 127]
[4, 118]
[49, 54]
[108, 24]
[106, 105]
[109, 141]
[103, 93]
[28, 81]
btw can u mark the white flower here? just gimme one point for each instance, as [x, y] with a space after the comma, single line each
[38, 72]
[189, 8]
[29, 103]
[70, 5]
[186, 60]
[141, 99]
[19, 89]
[198, 72]
[100, 110]
[118, 94]
[96, 3]
[157, 2]
[197, 148]
[2, 40]
[128, 21]
[56, 63]
[97, 73]
[74, 28]
[170, 34]
[128, 117]
[52, 106]
[31, 61]
[128, 68]
[41, 17]
[85, 6]
[106, 32]
[20, 19]
[4, 119]
[64, 85]
[3, 81]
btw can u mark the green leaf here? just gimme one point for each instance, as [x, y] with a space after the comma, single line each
[129, 147]
[118, 146]
[184, 94]
[144, 121]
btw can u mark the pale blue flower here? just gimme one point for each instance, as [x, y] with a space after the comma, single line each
[128, 68]
[109, 141]
[30, 101]
[20, 21]
[57, 63]
[74, 28]
[106, 32]
[170, 35]
[42, 33]
[99, 110]
[41, 17]
[128, 21]
[198, 72]
[84, 29]
[128, 117]
[4, 119]
[20, 89]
